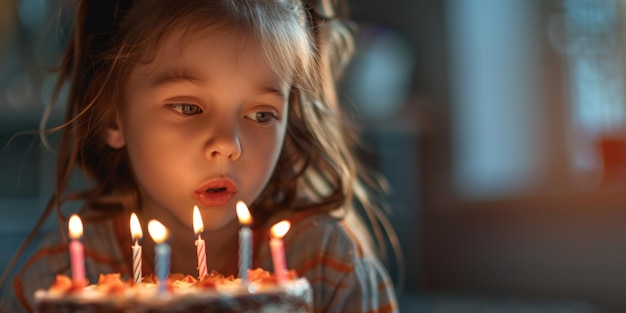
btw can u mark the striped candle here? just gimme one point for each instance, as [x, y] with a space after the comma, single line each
[201, 253]
[198, 227]
[136, 233]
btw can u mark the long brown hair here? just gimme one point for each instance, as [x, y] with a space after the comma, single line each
[318, 168]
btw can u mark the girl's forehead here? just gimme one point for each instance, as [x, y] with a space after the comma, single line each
[204, 55]
[182, 42]
[178, 39]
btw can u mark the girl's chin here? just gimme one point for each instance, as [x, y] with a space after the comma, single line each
[217, 220]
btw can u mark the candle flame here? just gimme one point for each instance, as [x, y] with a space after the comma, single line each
[243, 213]
[135, 228]
[280, 229]
[198, 225]
[76, 227]
[157, 231]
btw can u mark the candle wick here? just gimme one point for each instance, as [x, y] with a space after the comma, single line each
[199, 236]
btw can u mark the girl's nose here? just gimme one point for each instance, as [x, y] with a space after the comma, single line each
[224, 144]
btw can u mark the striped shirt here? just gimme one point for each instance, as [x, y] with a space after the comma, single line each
[344, 274]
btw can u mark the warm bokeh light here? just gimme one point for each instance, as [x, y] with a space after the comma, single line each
[135, 228]
[157, 231]
[198, 225]
[280, 229]
[243, 213]
[76, 227]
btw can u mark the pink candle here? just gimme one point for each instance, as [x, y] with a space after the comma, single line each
[198, 227]
[136, 234]
[277, 249]
[245, 240]
[77, 251]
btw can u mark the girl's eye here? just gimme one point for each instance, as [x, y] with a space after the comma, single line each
[185, 108]
[262, 117]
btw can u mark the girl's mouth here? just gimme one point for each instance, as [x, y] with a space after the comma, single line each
[215, 193]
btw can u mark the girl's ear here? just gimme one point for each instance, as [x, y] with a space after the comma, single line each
[115, 137]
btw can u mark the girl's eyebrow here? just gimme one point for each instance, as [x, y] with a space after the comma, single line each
[173, 76]
[278, 92]
[165, 77]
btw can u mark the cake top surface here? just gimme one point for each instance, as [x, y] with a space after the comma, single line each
[111, 287]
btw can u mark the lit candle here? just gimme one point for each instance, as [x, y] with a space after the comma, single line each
[245, 241]
[198, 228]
[77, 251]
[277, 232]
[162, 250]
[136, 234]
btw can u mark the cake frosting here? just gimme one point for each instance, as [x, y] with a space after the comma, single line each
[212, 293]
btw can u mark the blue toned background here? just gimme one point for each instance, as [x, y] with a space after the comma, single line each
[500, 124]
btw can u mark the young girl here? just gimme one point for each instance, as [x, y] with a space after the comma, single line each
[176, 103]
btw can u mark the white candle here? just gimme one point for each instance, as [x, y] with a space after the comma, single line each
[77, 251]
[136, 234]
[277, 249]
[198, 227]
[245, 241]
[159, 235]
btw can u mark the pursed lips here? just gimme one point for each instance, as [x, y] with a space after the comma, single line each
[217, 192]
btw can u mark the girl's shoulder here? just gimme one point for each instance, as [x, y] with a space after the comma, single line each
[336, 256]
[42, 259]
[345, 237]
[49, 251]
[48, 256]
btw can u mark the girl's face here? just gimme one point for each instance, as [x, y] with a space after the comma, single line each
[204, 123]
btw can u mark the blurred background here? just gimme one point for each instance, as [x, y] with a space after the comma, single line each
[500, 124]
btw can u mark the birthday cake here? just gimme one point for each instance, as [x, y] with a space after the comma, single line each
[212, 293]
